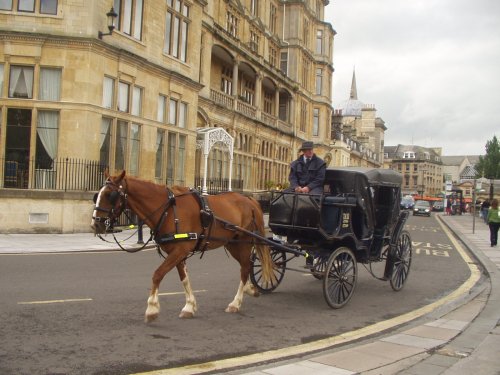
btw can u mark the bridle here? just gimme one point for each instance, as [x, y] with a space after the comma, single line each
[118, 200]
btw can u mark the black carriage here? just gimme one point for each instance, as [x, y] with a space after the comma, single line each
[356, 220]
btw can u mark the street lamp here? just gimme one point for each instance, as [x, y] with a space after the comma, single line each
[111, 23]
[421, 190]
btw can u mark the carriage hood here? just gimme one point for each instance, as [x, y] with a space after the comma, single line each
[372, 176]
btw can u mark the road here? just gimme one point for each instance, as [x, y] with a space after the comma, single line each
[83, 313]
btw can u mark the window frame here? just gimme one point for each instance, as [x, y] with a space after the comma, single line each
[176, 33]
[44, 94]
[132, 12]
[319, 81]
[316, 121]
[22, 67]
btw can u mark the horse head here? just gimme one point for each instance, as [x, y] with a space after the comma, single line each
[110, 202]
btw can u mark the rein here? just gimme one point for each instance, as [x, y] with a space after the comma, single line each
[119, 197]
[109, 221]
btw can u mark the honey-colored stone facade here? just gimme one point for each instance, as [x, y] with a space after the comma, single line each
[275, 60]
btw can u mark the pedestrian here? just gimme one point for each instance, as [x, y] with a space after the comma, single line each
[494, 222]
[307, 173]
[448, 207]
[484, 210]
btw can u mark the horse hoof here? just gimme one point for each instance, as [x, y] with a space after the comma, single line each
[150, 318]
[232, 309]
[186, 315]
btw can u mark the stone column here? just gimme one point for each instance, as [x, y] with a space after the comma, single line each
[258, 94]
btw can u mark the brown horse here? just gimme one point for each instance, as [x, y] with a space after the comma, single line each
[181, 223]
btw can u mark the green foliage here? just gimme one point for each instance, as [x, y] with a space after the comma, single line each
[489, 164]
[269, 185]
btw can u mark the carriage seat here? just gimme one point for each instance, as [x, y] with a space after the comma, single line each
[331, 200]
[295, 214]
[331, 210]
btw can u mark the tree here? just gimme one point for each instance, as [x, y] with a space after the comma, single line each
[489, 165]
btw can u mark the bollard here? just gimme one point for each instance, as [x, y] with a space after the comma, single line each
[139, 232]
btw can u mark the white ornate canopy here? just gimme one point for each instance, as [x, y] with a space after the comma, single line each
[206, 139]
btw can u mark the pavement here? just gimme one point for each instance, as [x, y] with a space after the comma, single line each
[458, 334]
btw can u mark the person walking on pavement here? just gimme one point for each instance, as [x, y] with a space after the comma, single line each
[494, 222]
[484, 210]
[448, 207]
[307, 173]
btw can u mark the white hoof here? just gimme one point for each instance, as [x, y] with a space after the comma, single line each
[232, 309]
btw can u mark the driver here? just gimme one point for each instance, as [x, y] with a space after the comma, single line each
[307, 173]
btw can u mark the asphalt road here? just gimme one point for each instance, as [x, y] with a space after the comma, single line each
[83, 313]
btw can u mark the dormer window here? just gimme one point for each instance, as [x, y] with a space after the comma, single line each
[409, 155]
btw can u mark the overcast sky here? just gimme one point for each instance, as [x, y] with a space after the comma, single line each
[430, 67]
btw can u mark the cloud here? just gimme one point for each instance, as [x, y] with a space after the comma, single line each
[430, 67]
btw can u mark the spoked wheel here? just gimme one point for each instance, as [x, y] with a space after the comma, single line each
[401, 257]
[279, 266]
[340, 277]
[319, 268]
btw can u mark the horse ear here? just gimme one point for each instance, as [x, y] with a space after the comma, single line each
[106, 173]
[122, 175]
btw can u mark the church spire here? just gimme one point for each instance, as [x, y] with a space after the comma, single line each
[354, 90]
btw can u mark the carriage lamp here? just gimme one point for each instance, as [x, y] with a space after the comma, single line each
[111, 23]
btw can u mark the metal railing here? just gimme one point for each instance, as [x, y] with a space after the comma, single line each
[52, 174]
[218, 185]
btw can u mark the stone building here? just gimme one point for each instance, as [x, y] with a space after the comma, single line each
[357, 132]
[421, 168]
[138, 97]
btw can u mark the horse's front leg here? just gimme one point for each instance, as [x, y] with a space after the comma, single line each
[153, 309]
[190, 308]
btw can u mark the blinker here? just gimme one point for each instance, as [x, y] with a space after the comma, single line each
[113, 197]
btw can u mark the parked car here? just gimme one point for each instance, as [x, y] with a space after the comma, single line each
[422, 208]
[438, 206]
[407, 202]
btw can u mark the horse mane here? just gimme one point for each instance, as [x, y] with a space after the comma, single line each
[176, 189]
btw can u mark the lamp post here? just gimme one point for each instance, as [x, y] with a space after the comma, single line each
[474, 206]
[111, 23]
[421, 190]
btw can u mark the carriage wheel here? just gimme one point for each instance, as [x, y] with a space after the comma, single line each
[340, 277]
[319, 267]
[279, 266]
[401, 256]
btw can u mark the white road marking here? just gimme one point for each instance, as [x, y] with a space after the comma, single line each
[176, 293]
[55, 301]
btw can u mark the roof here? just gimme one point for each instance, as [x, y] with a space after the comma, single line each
[468, 172]
[352, 106]
[374, 176]
[457, 160]
[397, 152]
[452, 160]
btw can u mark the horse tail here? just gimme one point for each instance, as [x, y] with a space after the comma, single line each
[263, 251]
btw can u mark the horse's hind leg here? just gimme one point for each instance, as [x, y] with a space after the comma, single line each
[190, 308]
[242, 254]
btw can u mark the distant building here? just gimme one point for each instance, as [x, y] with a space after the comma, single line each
[457, 168]
[357, 132]
[421, 168]
[459, 172]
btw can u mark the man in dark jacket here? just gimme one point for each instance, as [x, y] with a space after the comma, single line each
[307, 173]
